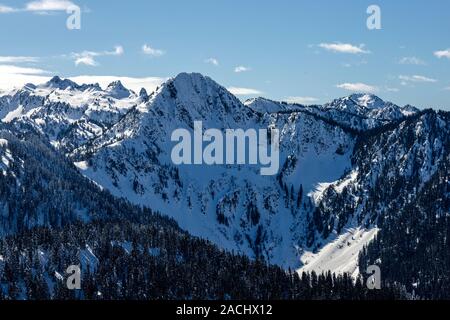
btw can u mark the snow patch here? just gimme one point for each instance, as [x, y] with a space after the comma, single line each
[13, 115]
[88, 259]
[365, 101]
[83, 165]
[341, 255]
[318, 191]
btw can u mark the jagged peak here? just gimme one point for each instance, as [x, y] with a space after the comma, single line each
[187, 85]
[94, 86]
[55, 79]
[258, 99]
[264, 105]
[58, 83]
[190, 76]
[358, 101]
[63, 84]
[195, 96]
[118, 90]
[116, 84]
[30, 86]
[410, 108]
[143, 93]
[368, 100]
[194, 79]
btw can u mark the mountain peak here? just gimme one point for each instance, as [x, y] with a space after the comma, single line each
[368, 100]
[191, 96]
[187, 85]
[195, 81]
[358, 103]
[184, 76]
[55, 79]
[117, 90]
[263, 105]
[29, 86]
[143, 95]
[57, 83]
[116, 84]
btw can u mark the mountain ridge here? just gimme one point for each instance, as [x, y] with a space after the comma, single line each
[123, 144]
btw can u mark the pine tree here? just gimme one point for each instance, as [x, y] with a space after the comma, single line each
[300, 196]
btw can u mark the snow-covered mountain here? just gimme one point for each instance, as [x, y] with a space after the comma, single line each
[40, 187]
[357, 111]
[320, 210]
[68, 114]
[390, 167]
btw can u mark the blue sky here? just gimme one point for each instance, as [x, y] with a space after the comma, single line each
[306, 51]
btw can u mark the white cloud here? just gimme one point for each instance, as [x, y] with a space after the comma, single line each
[40, 6]
[392, 89]
[6, 9]
[14, 76]
[443, 54]
[412, 60]
[212, 61]
[448, 88]
[11, 70]
[49, 5]
[240, 69]
[355, 64]
[244, 91]
[415, 78]
[357, 87]
[301, 100]
[86, 60]
[146, 49]
[17, 59]
[343, 48]
[88, 57]
[118, 51]
[19, 80]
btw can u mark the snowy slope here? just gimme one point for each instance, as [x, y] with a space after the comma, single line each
[340, 255]
[358, 111]
[67, 113]
[235, 206]
[317, 211]
[390, 168]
